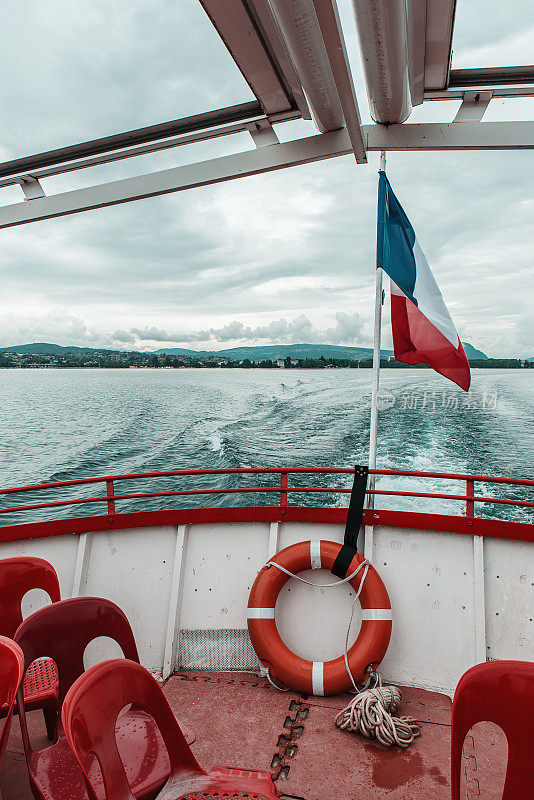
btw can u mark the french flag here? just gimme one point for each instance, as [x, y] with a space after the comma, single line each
[423, 331]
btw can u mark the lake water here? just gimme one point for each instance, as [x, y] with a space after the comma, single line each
[62, 424]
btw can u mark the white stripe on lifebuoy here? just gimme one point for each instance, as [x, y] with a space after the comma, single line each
[315, 555]
[260, 613]
[303, 675]
[375, 613]
[317, 678]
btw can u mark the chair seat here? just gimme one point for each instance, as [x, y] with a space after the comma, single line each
[40, 682]
[57, 776]
[40, 686]
[223, 782]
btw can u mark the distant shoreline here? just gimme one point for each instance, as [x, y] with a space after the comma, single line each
[490, 364]
[44, 356]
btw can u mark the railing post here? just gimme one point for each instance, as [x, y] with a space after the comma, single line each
[110, 493]
[283, 489]
[470, 504]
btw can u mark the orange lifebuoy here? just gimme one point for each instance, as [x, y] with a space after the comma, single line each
[317, 677]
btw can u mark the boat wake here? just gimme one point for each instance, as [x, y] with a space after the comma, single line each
[121, 422]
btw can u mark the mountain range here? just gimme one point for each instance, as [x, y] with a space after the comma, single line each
[273, 351]
[299, 351]
[237, 353]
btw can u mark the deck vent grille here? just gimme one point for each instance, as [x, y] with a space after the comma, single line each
[216, 795]
[217, 650]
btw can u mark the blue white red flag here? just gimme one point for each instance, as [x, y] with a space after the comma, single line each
[423, 331]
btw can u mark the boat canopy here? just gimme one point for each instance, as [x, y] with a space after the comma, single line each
[293, 55]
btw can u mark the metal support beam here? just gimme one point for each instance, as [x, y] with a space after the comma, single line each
[152, 147]
[81, 569]
[262, 133]
[511, 92]
[274, 533]
[439, 26]
[451, 136]
[473, 107]
[151, 133]
[233, 22]
[31, 187]
[415, 138]
[300, 28]
[332, 34]
[384, 33]
[175, 602]
[252, 162]
[491, 76]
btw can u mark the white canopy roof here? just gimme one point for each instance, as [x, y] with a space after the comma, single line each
[289, 50]
[292, 54]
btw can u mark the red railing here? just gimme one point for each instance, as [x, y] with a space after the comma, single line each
[283, 490]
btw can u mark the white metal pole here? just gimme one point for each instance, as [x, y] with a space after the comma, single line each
[376, 366]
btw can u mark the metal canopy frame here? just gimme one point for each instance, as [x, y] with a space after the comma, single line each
[414, 138]
[245, 111]
[491, 76]
[293, 56]
[259, 54]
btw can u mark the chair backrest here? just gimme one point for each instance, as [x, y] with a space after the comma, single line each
[63, 630]
[501, 692]
[90, 711]
[17, 576]
[11, 672]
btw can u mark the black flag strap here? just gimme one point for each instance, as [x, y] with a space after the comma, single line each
[354, 520]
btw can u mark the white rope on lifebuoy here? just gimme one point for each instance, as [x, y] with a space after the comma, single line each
[365, 564]
[371, 714]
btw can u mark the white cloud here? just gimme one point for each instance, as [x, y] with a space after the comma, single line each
[123, 337]
[349, 328]
[63, 328]
[299, 329]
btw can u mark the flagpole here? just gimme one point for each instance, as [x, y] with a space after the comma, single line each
[376, 366]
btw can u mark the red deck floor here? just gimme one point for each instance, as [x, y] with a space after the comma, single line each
[241, 721]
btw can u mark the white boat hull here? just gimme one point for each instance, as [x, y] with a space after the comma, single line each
[457, 599]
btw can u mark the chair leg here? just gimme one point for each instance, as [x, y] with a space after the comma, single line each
[50, 718]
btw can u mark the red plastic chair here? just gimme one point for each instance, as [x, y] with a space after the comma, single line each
[11, 672]
[17, 576]
[62, 631]
[501, 692]
[89, 716]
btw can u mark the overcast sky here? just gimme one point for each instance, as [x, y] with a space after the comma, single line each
[284, 257]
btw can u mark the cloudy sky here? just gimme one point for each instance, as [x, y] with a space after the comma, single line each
[285, 257]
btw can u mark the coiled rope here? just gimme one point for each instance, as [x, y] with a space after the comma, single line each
[371, 714]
